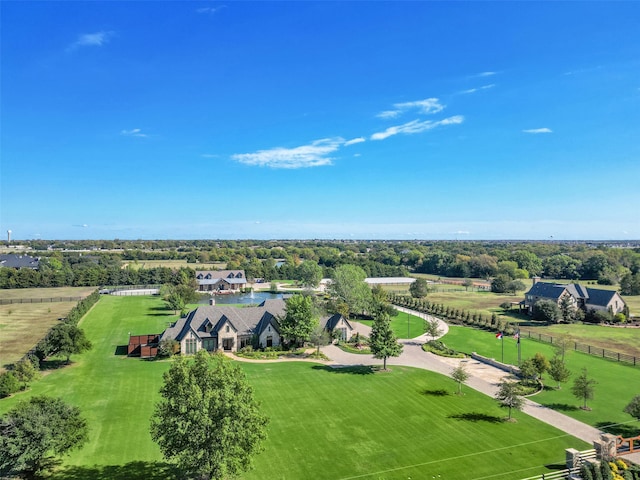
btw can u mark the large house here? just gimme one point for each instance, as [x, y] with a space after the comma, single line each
[226, 328]
[584, 298]
[13, 260]
[214, 281]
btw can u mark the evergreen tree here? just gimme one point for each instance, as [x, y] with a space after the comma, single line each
[383, 342]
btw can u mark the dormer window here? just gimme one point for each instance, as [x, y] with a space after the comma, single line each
[208, 276]
[239, 275]
[200, 277]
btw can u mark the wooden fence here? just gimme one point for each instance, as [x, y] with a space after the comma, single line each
[10, 301]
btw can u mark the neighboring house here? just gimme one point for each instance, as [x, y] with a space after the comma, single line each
[579, 296]
[13, 260]
[221, 280]
[231, 328]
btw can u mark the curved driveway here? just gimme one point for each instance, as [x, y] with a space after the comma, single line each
[482, 377]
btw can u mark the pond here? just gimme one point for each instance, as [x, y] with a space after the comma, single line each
[245, 298]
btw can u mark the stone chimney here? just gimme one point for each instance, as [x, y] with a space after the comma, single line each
[212, 301]
[535, 280]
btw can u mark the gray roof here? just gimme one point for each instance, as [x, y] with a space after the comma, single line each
[547, 290]
[330, 322]
[245, 321]
[600, 297]
[13, 260]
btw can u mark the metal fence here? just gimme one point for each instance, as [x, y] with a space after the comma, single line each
[10, 301]
[582, 347]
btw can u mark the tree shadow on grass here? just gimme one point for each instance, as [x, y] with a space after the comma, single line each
[129, 471]
[351, 369]
[562, 407]
[435, 393]
[627, 430]
[54, 364]
[477, 417]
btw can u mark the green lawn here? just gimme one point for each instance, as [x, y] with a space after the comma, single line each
[617, 382]
[403, 324]
[325, 424]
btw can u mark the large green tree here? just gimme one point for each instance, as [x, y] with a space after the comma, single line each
[36, 430]
[348, 287]
[419, 288]
[633, 408]
[383, 342]
[309, 273]
[208, 420]
[63, 339]
[299, 319]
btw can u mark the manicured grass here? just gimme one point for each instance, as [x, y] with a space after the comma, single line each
[617, 382]
[482, 302]
[403, 324]
[325, 424]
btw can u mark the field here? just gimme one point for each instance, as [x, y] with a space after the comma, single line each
[173, 264]
[22, 325]
[399, 325]
[325, 423]
[617, 384]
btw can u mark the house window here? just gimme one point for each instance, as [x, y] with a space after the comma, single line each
[209, 344]
[191, 345]
[269, 327]
[227, 329]
[269, 341]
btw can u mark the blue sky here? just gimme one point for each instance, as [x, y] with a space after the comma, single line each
[369, 120]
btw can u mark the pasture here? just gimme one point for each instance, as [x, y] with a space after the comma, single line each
[617, 384]
[325, 423]
[174, 264]
[22, 325]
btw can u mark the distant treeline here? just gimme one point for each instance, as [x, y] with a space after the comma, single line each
[605, 262]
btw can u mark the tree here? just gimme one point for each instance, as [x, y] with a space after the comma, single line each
[299, 319]
[467, 283]
[419, 288]
[508, 396]
[499, 283]
[309, 274]
[319, 337]
[541, 363]
[547, 311]
[583, 387]
[633, 408]
[383, 342]
[207, 420]
[8, 384]
[178, 296]
[63, 339]
[558, 370]
[529, 370]
[433, 328]
[25, 372]
[349, 288]
[37, 429]
[460, 375]
[515, 286]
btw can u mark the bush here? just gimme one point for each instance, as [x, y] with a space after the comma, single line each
[439, 348]
[8, 384]
[547, 311]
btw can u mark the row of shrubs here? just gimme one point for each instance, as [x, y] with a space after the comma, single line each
[21, 374]
[617, 470]
[454, 315]
[272, 353]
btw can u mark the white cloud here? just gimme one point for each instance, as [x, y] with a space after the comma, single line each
[354, 141]
[210, 10]
[135, 132]
[416, 126]
[486, 74]
[316, 154]
[474, 90]
[97, 39]
[426, 106]
[538, 130]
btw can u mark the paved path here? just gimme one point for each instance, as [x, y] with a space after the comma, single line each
[482, 377]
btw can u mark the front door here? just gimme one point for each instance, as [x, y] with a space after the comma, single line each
[269, 341]
[227, 344]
